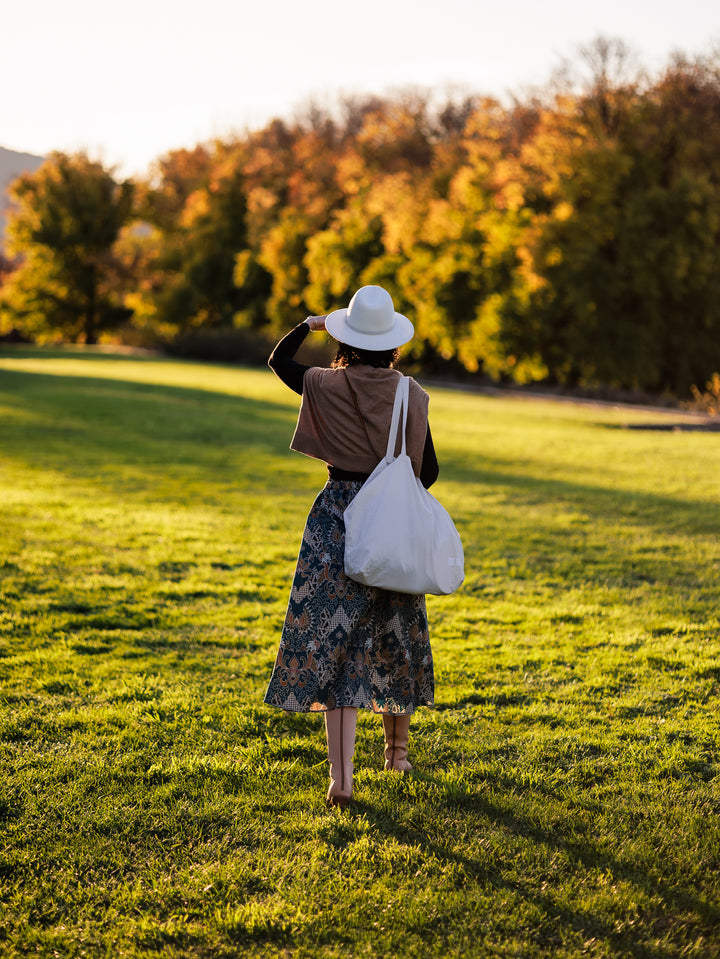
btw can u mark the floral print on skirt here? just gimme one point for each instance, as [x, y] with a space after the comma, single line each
[345, 644]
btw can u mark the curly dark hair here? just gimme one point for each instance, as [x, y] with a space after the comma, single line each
[354, 356]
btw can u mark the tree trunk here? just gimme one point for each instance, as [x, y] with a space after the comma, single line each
[91, 314]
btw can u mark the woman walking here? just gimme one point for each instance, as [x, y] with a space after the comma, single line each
[346, 646]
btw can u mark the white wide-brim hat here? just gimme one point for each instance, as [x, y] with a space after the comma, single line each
[370, 322]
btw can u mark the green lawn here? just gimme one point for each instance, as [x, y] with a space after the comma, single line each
[566, 797]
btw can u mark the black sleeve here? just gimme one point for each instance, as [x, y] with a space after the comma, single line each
[281, 360]
[430, 469]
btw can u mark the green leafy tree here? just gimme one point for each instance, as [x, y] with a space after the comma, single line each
[337, 258]
[196, 215]
[461, 229]
[63, 227]
[312, 194]
[625, 279]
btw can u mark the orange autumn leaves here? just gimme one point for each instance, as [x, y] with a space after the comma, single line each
[568, 236]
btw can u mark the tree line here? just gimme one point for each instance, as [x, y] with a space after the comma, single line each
[571, 236]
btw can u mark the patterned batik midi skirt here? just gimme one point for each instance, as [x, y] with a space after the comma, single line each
[345, 644]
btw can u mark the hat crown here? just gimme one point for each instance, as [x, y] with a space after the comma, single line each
[370, 322]
[371, 311]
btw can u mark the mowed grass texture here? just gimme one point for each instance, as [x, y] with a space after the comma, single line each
[566, 791]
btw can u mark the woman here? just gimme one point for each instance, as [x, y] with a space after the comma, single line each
[346, 646]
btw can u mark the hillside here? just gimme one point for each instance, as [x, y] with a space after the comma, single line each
[12, 164]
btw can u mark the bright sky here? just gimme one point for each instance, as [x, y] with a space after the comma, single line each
[129, 80]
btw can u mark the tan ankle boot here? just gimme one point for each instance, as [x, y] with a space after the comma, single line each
[340, 725]
[397, 729]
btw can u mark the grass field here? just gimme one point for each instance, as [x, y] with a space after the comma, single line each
[566, 797]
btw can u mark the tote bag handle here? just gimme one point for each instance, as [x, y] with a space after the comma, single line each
[402, 396]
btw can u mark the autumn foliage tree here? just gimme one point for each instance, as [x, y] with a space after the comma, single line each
[624, 247]
[63, 227]
[193, 224]
[569, 236]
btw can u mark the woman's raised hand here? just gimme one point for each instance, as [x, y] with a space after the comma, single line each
[316, 322]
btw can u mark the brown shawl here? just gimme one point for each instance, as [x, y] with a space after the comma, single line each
[330, 429]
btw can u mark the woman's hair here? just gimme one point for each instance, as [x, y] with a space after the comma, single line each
[354, 356]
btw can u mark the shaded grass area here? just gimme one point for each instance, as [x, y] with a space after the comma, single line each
[566, 794]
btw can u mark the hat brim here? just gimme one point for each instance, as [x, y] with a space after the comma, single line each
[401, 332]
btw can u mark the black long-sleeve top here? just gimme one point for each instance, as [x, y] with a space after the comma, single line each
[291, 372]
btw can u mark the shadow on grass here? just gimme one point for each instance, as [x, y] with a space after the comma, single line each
[639, 939]
[711, 426]
[90, 427]
[637, 507]
[72, 422]
[92, 353]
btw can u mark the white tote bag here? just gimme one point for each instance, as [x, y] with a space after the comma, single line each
[397, 535]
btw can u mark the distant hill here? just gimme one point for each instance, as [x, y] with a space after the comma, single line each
[12, 164]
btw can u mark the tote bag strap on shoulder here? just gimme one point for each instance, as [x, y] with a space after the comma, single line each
[402, 396]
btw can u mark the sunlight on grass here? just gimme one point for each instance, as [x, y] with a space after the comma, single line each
[566, 790]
